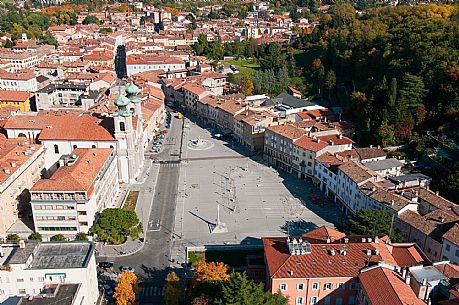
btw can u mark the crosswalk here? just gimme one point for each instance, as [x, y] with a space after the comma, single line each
[152, 291]
[170, 165]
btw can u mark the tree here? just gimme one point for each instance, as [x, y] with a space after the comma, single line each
[49, 39]
[211, 271]
[372, 222]
[201, 300]
[91, 19]
[386, 133]
[120, 62]
[12, 237]
[173, 294]
[247, 85]
[115, 225]
[35, 236]
[242, 291]
[126, 289]
[81, 236]
[58, 237]
[201, 46]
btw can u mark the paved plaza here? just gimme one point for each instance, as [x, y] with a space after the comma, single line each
[255, 200]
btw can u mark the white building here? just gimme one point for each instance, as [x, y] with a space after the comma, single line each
[139, 63]
[85, 183]
[450, 248]
[387, 167]
[52, 273]
[24, 81]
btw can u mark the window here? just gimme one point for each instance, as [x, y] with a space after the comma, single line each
[56, 149]
[339, 301]
[22, 291]
[448, 247]
[351, 300]
[31, 279]
[81, 212]
[313, 300]
[300, 287]
[20, 280]
[94, 146]
[327, 300]
[457, 253]
[341, 286]
[354, 286]
[122, 126]
[315, 286]
[283, 287]
[328, 286]
[299, 300]
[75, 147]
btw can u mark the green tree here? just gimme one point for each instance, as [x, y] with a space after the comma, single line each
[201, 46]
[49, 39]
[58, 237]
[173, 293]
[115, 225]
[12, 237]
[242, 291]
[35, 236]
[372, 222]
[247, 85]
[81, 236]
[91, 19]
[386, 133]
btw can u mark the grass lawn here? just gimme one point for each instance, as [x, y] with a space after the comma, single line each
[131, 201]
[305, 57]
[245, 66]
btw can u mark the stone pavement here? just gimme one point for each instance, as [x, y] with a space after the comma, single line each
[130, 247]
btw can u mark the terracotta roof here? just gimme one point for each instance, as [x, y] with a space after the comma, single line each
[451, 271]
[13, 96]
[452, 235]
[435, 200]
[383, 196]
[14, 153]
[287, 131]
[319, 263]
[406, 256]
[370, 152]
[21, 75]
[435, 224]
[194, 88]
[81, 128]
[312, 144]
[26, 122]
[357, 172]
[323, 233]
[79, 176]
[383, 286]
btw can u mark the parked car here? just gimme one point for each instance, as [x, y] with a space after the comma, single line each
[106, 265]
[126, 268]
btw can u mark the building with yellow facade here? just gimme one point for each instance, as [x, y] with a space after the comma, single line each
[19, 99]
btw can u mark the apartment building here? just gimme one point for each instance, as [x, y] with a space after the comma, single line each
[48, 273]
[19, 60]
[351, 175]
[137, 63]
[434, 233]
[66, 96]
[24, 80]
[386, 168]
[326, 173]
[85, 183]
[278, 141]
[323, 265]
[21, 165]
[307, 148]
[192, 93]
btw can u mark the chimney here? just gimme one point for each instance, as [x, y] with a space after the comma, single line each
[369, 252]
[291, 272]
[340, 136]
[328, 240]
[424, 282]
[442, 219]
[392, 202]
[332, 252]
[404, 272]
[371, 146]
[437, 193]
[1, 252]
[376, 252]
[346, 240]
[21, 244]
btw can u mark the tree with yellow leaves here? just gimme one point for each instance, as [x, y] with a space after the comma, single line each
[127, 288]
[211, 271]
[173, 293]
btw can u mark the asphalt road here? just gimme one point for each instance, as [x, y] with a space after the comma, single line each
[152, 261]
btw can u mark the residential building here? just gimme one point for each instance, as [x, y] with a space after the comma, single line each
[307, 148]
[429, 231]
[450, 247]
[278, 142]
[326, 171]
[21, 165]
[49, 273]
[191, 94]
[20, 99]
[351, 175]
[84, 184]
[24, 80]
[323, 265]
[386, 168]
[139, 63]
[65, 96]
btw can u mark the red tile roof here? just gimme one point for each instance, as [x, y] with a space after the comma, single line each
[323, 233]
[383, 286]
[13, 96]
[287, 131]
[81, 128]
[79, 176]
[453, 235]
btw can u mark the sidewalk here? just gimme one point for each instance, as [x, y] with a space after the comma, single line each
[132, 246]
